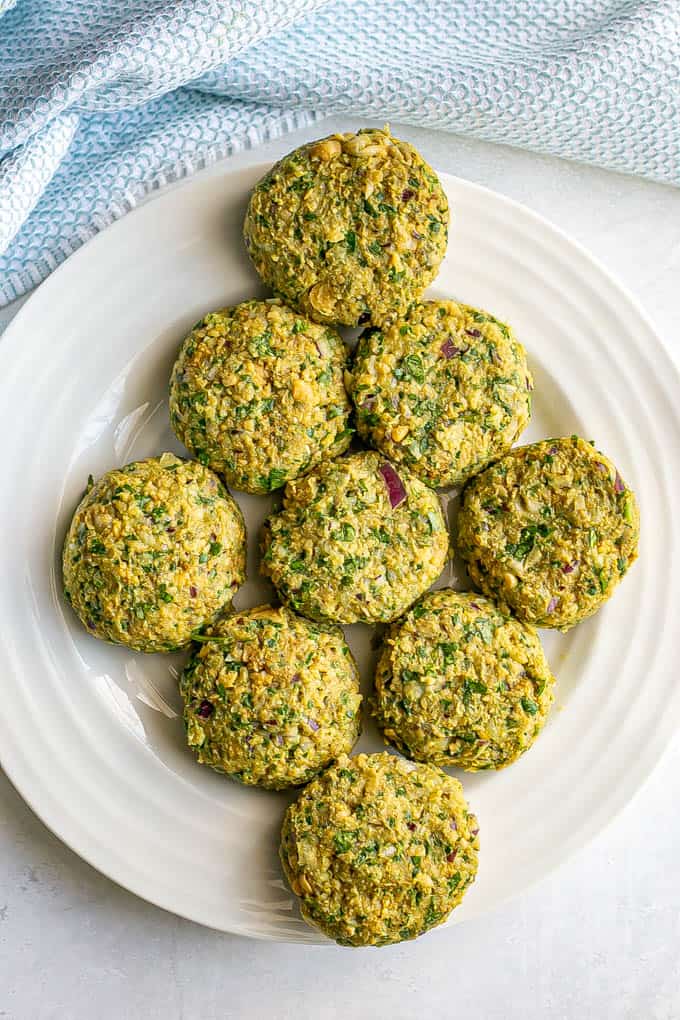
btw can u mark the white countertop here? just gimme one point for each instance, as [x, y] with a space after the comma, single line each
[600, 938]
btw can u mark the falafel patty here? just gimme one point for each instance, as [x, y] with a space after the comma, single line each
[355, 541]
[443, 390]
[348, 229]
[271, 699]
[548, 531]
[154, 551]
[379, 850]
[257, 394]
[458, 683]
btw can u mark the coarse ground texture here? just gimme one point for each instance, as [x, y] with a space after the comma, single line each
[355, 541]
[458, 683]
[349, 229]
[548, 531]
[154, 551]
[379, 849]
[270, 698]
[443, 390]
[257, 393]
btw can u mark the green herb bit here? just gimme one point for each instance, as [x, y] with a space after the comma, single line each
[471, 687]
[344, 841]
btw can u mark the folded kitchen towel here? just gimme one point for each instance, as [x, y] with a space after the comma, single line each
[102, 101]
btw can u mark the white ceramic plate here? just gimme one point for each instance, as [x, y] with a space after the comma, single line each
[92, 735]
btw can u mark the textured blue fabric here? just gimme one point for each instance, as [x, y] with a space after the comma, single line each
[102, 101]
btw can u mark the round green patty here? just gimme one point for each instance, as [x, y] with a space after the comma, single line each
[548, 531]
[154, 551]
[350, 228]
[459, 683]
[270, 698]
[257, 393]
[355, 541]
[443, 390]
[379, 850]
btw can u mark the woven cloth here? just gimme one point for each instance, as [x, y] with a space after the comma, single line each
[102, 101]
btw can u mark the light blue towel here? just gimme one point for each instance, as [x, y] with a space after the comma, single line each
[102, 101]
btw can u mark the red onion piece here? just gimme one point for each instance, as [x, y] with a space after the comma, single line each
[368, 404]
[205, 709]
[449, 349]
[452, 856]
[552, 605]
[618, 484]
[473, 332]
[411, 826]
[552, 451]
[473, 605]
[395, 486]
[452, 824]
[602, 468]
[313, 724]
[569, 568]
[406, 194]
[193, 591]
